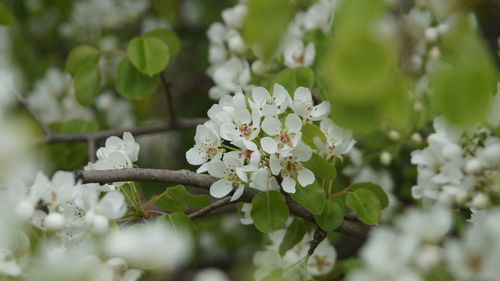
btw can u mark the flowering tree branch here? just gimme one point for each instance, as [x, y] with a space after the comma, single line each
[215, 205]
[190, 178]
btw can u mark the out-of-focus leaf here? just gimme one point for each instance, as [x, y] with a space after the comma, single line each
[309, 132]
[81, 56]
[462, 89]
[6, 16]
[265, 25]
[177, 198]
[149, 55]
[376, 189]
[133, 84]
[292, 78]
[168, 37]
[87, 83]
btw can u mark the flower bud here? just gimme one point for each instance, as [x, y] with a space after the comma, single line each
[99, 224]
[25, 209]
[473, 166]
[480, 201]
[416, 138]
[385, 158]
[54, 221]
[236, 44]
[434, 53]
[431, 34]
[394, 135]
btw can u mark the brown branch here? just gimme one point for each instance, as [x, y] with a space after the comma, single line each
[186, 177]
[215, 205]
[181, 124]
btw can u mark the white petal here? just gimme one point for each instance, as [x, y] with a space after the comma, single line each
[221, 188]
[195, 156]
[259, 95]
[302, 94]
[242, 116]
[293, 123]
[275, 164]
[228, 131]
[217, 169]
[309, 54]
[240, 172]
[269, 110]
[320, 111]
[237, 193]
[305, 177]
[288, 184]
[269, 145]
[279, 94]
[303, 152]
[271, 126]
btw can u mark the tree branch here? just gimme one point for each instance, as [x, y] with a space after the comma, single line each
[215, 205]
[170, 100]
[186, 177]
[35, 115]
[180, 124]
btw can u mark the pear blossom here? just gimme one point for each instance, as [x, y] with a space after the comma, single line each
[206, 148]
[281, 138]
[303, 106]
[270, 105]
[338, 140]
[235, 16]
[231, 174]
[231, 75]
[296, 54]
[291, 169]
[127, 146]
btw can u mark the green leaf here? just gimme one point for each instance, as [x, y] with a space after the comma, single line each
[149, 54]
[71, 156]
[311, 197]
[276, 275]
[179, 222]
[321, 168]
[309, 132]
[81, 56]
[177, 198]
[168, 203]
[168, 37]
[6, 16]
[269, 211]
[332, 214]
[87, 83]
[376, 189]
[133, 84]
[366, 205]
[462, 90]
[292, 78]
[264, 26]
[294, 234]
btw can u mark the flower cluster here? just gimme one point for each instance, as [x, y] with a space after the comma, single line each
[229, 55]
[116, 154]
[459, 166]
[296, 264]
[257, 141]
[409, 251]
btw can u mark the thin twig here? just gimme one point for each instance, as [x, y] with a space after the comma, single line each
[170, 100]
[91, 149]
[35, 115]
[181, 124]
[186, 177]
[215, 205]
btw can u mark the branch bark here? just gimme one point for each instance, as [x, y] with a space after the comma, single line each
[190, 178]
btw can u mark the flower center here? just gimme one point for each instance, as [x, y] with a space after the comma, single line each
[290, 166]
[245, 130]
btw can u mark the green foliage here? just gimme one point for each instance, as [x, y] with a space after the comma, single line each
[321, 168]
[6, 17]
[81, 56]
[133, 84]
[177, 199]
[87, 83]
[294, 234]
[168, 37]
[360, 69]
[463, 88]
[148, 54]
[269, 211]
[366, 205]
[309, 132]
[69, 155]
[311, 197]
[376, 189]
[265, 25]
[292, 78]
[179, 222]
[332, 214]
